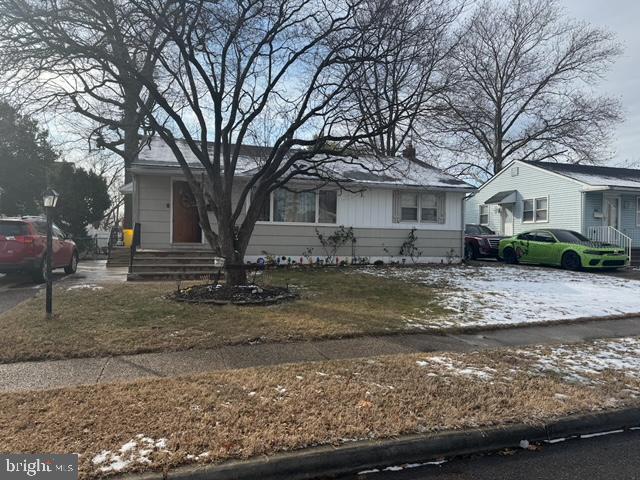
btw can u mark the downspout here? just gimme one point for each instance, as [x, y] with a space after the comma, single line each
[462, 202]
[583, 218]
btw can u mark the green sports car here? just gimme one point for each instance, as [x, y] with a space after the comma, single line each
[563, 248]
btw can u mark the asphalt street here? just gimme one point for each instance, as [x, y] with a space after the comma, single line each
[615, 456]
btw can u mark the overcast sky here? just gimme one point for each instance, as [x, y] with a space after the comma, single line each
[623, 18]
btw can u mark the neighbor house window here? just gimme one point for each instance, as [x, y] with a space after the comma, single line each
[535, 210]
[302, 207]
[484, 214]
[408, 207]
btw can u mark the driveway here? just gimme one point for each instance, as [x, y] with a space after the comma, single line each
[18, 288]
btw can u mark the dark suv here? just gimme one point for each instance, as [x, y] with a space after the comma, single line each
[23, 246]
[480, 242]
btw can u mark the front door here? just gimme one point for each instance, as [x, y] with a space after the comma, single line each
[186, 225]
[506, 215]
[612, 212]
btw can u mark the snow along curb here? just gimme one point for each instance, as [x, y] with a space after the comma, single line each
[326, 462]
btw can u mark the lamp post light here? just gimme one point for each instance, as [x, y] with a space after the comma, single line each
[49, 200]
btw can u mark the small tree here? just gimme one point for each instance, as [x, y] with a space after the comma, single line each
[332, 243]
[84, 199]
[409, 247]
[25, 159]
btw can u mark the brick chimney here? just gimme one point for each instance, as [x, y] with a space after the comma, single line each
[409, 151]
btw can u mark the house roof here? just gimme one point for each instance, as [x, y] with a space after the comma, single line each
[596, 176]
[362, 170]
[508, 196]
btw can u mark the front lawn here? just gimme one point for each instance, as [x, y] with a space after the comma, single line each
[110, 319]
[158, 424]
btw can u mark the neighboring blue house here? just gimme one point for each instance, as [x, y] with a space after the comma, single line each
[602, 203]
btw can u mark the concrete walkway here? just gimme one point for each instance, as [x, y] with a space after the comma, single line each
[87, 371]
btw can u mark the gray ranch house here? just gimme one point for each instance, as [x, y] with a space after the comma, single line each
[382, 206]
[602, 203]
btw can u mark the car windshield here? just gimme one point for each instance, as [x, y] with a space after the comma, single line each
[478, 230]
[11, 229]
[567, 236]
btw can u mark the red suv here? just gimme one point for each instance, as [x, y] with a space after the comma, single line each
[23, 246]
[480, 242]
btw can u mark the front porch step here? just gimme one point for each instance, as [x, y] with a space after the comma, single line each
[119, 257]
[173, 267]
[172, 275]
[174, 264]
[635, 257]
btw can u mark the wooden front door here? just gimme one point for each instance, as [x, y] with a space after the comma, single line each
[186, 226]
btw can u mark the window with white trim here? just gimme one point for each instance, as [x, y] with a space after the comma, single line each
[426, 207]
[535, 210]
[484, 214]
[286, 206]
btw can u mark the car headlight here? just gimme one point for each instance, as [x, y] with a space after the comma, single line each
[593, 252]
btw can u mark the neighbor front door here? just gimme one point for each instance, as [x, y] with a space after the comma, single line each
[506, 214]
[185, 224]
[612, 212]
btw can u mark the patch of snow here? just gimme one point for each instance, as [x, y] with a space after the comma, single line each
[524, 444]
[134, 451]
[457, 368]
[586, 362]
[85, 286]
[502, 295]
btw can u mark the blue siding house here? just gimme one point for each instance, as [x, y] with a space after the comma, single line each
[602, 203]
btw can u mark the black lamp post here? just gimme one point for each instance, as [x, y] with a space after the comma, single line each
[49, 200]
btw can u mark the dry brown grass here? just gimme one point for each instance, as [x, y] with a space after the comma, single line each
[135, 318]
[244, 413]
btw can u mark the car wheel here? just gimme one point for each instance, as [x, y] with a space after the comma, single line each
[509, 256]
[470, 252]
[73, 264]
[571, 261]
[39, 275]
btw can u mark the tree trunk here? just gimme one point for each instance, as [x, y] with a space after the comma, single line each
[235, 271]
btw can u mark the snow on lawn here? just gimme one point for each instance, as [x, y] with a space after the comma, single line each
[135, 451]
[502, 295]
[586, 362]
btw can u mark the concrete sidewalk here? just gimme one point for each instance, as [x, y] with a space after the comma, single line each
[87, 371]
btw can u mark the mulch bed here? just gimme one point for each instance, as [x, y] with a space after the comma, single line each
[217, 294]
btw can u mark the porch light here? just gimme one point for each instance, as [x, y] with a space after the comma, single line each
[50, 198]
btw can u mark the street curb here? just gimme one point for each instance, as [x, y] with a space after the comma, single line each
[346, 459]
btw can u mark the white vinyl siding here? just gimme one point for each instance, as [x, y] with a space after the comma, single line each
[564, 199]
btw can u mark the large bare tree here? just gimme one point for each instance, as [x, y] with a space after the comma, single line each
[69, 58]
[399, 90]
[523, 88]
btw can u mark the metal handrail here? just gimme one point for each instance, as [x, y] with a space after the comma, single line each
[608, 234]
[135, 243]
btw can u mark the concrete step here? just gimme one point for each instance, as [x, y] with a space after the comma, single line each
[119, 257]
[174, 267]
[148, 260]
[174, 253]
[171, 275]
